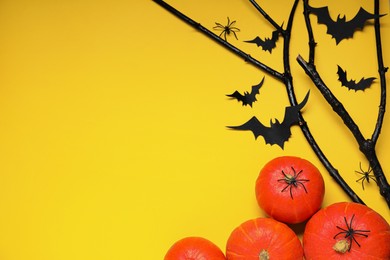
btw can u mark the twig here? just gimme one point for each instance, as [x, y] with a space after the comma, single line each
[285, 77]
[366, 146]
[266, 16]
[312, 42]
[218, 39]
[304, 127]
[382, 71]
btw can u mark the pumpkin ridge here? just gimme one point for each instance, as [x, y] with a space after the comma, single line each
[246, 234]
[273, 238]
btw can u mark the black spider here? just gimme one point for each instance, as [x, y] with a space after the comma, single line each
[366, 175]
[350, 233]
[293, 181]
[227, 29]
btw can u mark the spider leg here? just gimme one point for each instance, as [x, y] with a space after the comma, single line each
[234, 33]
[299, 183]
[360, 166]
[297, 174]
[361, 173]
[219, 27]
[354, 239]
[285, 187]
[350, 222]
[342, 232]
[357, 232]
[221, 34]
[360, 178]
[372, 178]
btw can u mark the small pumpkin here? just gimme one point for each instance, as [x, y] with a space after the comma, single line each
[347, 230]
[263, 239]
[290, 189]
[194, 248]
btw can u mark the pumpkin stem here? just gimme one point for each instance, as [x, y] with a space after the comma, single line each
[341, 246]
[264, 255]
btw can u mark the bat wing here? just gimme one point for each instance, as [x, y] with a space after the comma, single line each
[255, 90]
[364, 83]
[275, 36]
[335, 28]
[238, 96]
[254, 125]
[291, 113]
[259, 42]
[357, 23]
[351, 84]
[323, 16]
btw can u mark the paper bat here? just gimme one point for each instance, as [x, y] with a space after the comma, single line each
[247, 98]
[267, 44]
[277, 133]
[351, 84]
[342, 29]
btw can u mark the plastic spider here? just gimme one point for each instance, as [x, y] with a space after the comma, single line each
[350, 233]
[366, 175]
[227, 29]
[293, 181]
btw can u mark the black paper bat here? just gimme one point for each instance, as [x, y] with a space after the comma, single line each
[267, 44]
[247, 98]
[277, 133]
[351, 84]
[342, 29]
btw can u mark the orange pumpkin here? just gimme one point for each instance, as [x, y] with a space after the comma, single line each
[347, 230]
[290, 189]
[263, 239]
[194, 248]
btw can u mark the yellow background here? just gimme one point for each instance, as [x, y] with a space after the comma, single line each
[113, 115]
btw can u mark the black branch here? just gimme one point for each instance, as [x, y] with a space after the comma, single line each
[366, 146]
[285, 77]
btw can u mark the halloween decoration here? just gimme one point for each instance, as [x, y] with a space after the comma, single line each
[346, 230]
[366, 145]
[278, 132]
[351, 84]
[261, 239]
[247, 98]
[293, 181]
[268, 44]
[290, 189]
[194, 248]
[227, 29]
[341, 28]
[367, 176]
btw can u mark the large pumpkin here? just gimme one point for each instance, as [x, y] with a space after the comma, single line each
[263, 239]
[347, 230]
